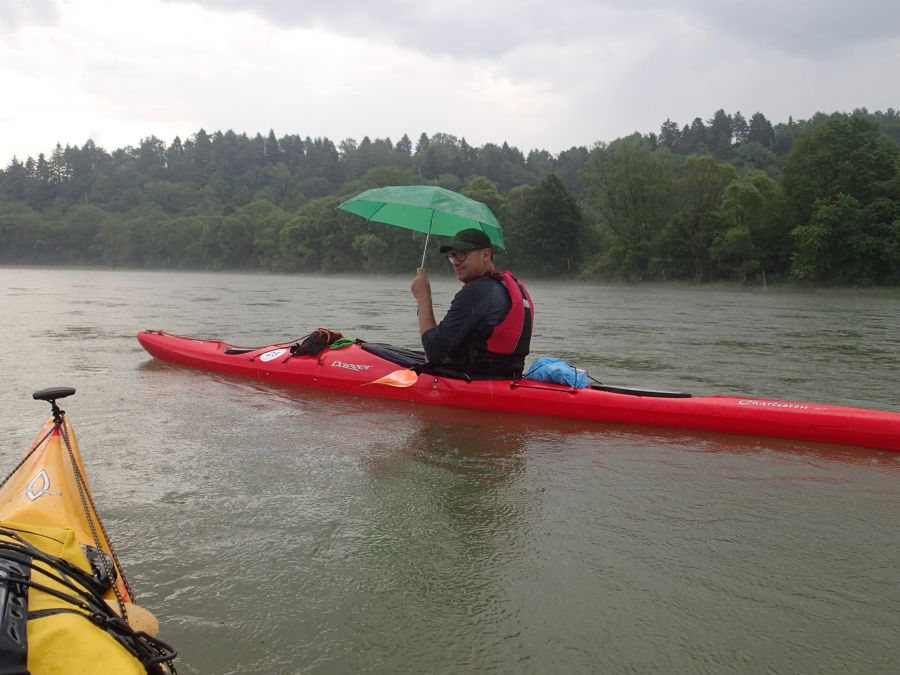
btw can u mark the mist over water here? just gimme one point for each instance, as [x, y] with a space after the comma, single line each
[279, 530]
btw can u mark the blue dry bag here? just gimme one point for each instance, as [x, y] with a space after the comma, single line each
[548, 369]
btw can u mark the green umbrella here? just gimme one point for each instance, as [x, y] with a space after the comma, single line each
[425, 208]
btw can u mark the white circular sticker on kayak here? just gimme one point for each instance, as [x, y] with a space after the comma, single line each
[274, 354]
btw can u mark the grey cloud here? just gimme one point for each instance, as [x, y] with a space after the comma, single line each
[14, 15]
[475, 28]
[803, 27]
[482, 28]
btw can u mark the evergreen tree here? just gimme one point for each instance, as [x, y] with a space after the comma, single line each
[720, 132]
[14, 181]
[740, 128]
[670, 135]
[547, 237]
[422, 144]
[760, 131]
[404, 146]
[272, 149]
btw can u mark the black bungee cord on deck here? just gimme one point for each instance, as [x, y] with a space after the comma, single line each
[18, 559]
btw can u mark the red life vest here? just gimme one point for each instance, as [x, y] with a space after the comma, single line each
[513, 334]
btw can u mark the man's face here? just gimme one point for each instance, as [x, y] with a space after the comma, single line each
[470, 265]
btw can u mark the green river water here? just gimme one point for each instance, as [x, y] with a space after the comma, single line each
[279, 530]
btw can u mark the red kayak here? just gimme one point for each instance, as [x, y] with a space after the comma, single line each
[371, 369]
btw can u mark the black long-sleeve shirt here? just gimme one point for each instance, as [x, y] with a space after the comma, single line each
[459, 340]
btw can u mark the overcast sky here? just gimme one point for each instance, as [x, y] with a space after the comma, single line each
[537, 74]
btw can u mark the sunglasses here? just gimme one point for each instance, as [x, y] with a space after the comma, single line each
[459, 256]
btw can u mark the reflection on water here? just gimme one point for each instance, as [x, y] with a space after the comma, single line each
[280, 530]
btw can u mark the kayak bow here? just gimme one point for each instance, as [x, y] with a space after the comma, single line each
[65, 604]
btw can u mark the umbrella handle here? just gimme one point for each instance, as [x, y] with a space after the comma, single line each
[427, 235]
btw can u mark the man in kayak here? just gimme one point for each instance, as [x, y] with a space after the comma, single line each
[487, 330]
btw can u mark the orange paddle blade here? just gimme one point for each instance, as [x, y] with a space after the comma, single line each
[398, 378]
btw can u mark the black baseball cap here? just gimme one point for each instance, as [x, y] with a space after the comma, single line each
[466, 240]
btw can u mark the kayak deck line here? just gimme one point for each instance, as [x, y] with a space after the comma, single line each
[618, 389]
[348, 369]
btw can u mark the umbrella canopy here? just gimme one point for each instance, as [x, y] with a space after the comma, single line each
[425, 208]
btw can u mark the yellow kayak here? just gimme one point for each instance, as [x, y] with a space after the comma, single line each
[65, 604]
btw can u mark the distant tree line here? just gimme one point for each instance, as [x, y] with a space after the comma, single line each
[727, 198]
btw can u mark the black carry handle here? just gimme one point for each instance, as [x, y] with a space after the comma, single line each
[51, 395]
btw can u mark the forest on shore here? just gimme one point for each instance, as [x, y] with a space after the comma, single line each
[728, 198]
